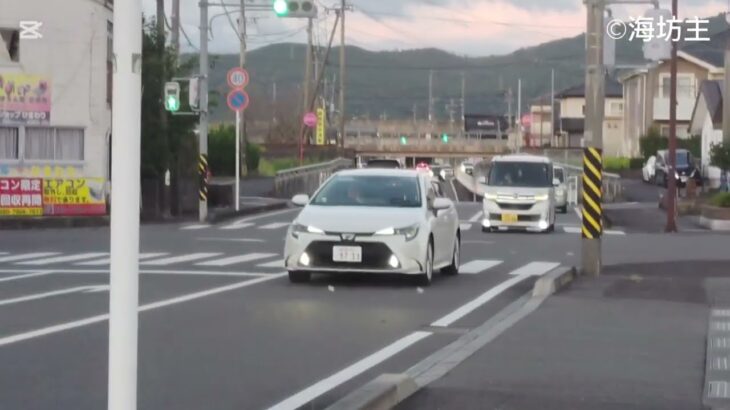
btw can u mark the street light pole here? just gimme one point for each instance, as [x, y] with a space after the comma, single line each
[124, 238]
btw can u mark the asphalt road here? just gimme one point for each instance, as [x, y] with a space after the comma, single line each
[221, 326]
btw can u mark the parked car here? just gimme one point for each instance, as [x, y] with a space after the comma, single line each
[442, 172]
[685, 168]
[424, 167]
[467, 168]
[649, 169]
[561, 190]
[384, 163]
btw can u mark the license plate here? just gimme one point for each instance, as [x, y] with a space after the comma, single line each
[509, 218]
[347, 254]
[683, 179]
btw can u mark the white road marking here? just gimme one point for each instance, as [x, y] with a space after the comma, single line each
[275, 225]
[61, 259]
[26, 256]
[100, 318]
[230, 239]
[236, 259]
[195, 227]
[106, 261]
[476, 216]
[526, 271]
[273, 264]
[323, 386]
[535, 268]
[478, 266]
[577, 212]
[571, 229]
[612, 232]
[48, 294]
[27, 275]
[464, 227]
[182, 258]
[146, 272]
[237, 225]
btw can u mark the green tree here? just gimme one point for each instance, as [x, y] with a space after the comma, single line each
[720, 157]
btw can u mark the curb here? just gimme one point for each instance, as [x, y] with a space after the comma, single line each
[553, 281]
[382, 393]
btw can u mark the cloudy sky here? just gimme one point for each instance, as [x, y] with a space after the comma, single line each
[465, 27]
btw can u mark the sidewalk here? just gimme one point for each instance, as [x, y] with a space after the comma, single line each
[633, 339]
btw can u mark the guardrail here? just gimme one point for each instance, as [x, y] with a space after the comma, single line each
[306, 179]
[433, 145]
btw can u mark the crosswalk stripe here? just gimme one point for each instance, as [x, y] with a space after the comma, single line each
[182, 258]
[478, 266]
[60, 259]
[610, 232]
[13, 258]
[236, 259]
[237, 226]
[465, 227]
[195, 227]
[535, 269]
[575, 229]
[273, 264]
[476, 217]
[106, 261]
[275, 225]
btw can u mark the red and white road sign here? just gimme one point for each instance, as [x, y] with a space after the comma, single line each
[237, 77]
[310, 119]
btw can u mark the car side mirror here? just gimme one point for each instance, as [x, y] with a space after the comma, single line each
[556, 182]
[482, 180]
[300, 200]
[441, 204]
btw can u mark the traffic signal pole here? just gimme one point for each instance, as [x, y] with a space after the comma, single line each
[203, 126]
[343, 76]
[671, 196]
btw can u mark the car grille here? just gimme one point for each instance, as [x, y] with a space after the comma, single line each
[375, 255]
[515, 207]
[520, 218]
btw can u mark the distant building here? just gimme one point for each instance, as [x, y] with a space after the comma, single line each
[485, 126]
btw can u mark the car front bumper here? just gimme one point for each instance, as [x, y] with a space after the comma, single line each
[535, 218]
[376, 253]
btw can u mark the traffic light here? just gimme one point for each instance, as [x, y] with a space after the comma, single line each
[445, 138]
[194, 93]
[295, 8]
[403, 140]
[172, 96]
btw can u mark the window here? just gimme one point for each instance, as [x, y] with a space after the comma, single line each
[109, 60]
[616, 108]
[370, 190]
[520, 174]
[55, 144]
[685, 85]
[9, 45]
[8, 143]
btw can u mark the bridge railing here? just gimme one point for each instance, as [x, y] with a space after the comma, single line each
[306, 179]
[424, 145]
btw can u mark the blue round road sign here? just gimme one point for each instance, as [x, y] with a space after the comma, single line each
[238, 100]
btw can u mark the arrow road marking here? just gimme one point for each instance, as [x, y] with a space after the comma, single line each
[37, 296]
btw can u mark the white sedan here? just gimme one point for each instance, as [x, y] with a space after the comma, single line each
[374, 221]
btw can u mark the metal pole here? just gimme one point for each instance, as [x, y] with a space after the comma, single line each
[726, 107]
[203, 127]
[238, 161]
[124, 238]
[518, 120]
[343, 76]
[175, 36]
[240, 116]
[671, 196]
[593, 133]
[552, 106]
[430, 95]
[463, 98]
[307, 82]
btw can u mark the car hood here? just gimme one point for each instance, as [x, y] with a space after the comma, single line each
[358, 219]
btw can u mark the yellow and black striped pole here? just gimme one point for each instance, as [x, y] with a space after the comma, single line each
[592, 194]
[203, 174]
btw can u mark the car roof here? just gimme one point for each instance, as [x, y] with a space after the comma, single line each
[380, 172]
[522, 158]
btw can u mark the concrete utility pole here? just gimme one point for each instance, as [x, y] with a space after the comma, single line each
[463, 99]
[175, 36]
[240, 116]
[343, 76]
[552, 106]
[519, 113]
[430, 95]
[124, 238]
[671, 199]
[509, 109]
[593, 137]
[726, 107]
[203, 127]
[307, 82]
[162, 111]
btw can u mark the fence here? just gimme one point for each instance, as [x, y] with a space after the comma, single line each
[306, 179]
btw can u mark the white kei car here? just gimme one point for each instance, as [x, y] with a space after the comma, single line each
[374, 221]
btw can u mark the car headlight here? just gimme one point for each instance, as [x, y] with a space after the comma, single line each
[491, 197]
[543, 197]
[299, 228]
[409, 232]
[676, 175]
[463, 168]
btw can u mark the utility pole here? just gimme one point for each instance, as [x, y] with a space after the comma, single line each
[414, 113]
[343, 76]
[273, 98]
[175, 36]
[593, 140]
[203, 127]
[162, 112]
[671, 196]
[307, 83]
[726, 107]
[509, 109]
[542, 119]
[552, 106]
[124, 237]
[430, 95]
[240, 116]
[519, 113]
[463, 99]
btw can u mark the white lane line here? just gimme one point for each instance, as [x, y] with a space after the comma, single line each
[195, 227]
[148, 272]
[476, 216]
[273, 264]
[51, 294]
[13, 258]
[27, 275]
[478, 266]
[236, 259]
[106, 261]
[464, 227]
[237, 226]
[323, 386]
[275, 225]
[61, 259]
[485, 297]
[182, 258]
[100, 318]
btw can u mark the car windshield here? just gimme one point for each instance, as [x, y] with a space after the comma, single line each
[520, 174]
[383, 163]
[683, 159]
[560, 175]
[370, 190]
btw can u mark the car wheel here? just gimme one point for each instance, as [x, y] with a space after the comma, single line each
[453, 269]
[425, 278]
[299, 277]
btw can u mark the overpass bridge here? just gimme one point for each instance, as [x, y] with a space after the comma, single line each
[425, 148]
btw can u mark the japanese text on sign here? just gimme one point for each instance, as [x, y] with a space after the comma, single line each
[21, 196]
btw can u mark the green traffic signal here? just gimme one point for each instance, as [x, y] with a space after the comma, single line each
[445, 138]
[281, 8]
[172, 103]
[403, 140]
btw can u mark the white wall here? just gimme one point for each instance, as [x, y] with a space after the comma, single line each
[72, 54]
[710, 136]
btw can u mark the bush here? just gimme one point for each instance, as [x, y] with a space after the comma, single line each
[720, 156]
[721, 199]
[613, 164]
[253, 157]
[653, 142]
[636, 163]
[222, 150]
